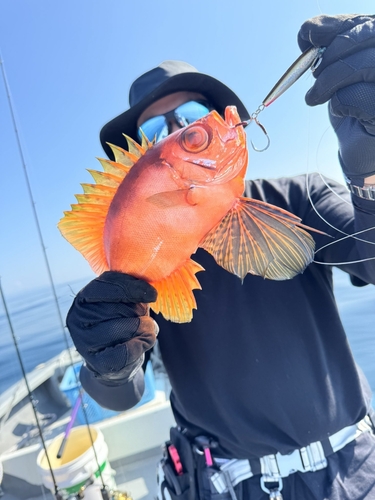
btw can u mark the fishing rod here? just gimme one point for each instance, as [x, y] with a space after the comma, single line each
[104, 489]
[31, 397]
[31, 197]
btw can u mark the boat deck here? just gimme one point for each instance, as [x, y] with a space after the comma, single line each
[134, 438]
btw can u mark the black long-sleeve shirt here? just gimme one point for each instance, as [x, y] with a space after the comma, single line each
[265, 366]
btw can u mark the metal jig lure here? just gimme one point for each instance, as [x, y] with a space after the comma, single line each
[311, 58]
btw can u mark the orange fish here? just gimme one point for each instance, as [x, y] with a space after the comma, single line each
[155, 205]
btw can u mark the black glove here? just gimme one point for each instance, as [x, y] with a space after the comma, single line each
[110, 326]
[346, 78]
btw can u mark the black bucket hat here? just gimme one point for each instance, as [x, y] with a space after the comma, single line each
[169, 77]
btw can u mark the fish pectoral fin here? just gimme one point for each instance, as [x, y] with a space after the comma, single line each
[262, 239]
[176, 300]
[175, 198]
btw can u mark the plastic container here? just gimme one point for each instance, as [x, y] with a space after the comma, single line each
[95, 412]
[78, 466]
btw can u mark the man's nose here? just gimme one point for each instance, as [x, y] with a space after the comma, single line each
[174, 126]
[173, 122]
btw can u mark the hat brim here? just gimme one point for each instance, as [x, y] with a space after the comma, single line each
[216, 92]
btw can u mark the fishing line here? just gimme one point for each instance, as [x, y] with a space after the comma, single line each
[325, 220]
[346, 235]
[319, 7]
[320, 172]
[340, 239]
[46, 261]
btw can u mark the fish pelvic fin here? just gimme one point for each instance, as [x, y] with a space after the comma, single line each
[83, 226]
[176, 300]
[262, 239]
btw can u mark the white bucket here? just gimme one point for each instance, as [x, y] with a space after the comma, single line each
[78, 464]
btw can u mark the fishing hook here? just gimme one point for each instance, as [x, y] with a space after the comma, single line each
[265, 133]
[255, 119]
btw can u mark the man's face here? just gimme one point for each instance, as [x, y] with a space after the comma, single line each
[168, 103]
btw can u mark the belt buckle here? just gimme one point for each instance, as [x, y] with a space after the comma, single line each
[309, 458]
[293, 462]
[276, 466]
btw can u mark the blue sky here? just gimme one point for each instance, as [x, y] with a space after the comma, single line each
[69, 66]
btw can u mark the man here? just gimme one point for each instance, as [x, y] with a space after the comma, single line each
[263, 375]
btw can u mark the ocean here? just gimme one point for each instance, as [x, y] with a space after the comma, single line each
[40, 336]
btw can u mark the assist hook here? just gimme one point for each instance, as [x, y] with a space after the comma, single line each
[255, 119]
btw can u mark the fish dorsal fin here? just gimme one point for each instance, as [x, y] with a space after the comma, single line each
[98, 189]
[146, 144]
[106, 179]
[83, 226]
[262, 239]
[122, 156]
[115, 168]
[133, 147]
[176, 300]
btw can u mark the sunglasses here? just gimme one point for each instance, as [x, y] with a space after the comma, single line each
[159, 126]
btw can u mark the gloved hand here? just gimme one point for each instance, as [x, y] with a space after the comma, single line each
[110, 326]
[346, 78]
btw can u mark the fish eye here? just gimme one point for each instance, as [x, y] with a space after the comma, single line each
[194, 139]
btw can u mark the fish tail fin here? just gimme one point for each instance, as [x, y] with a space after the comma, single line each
[262, 239]
[176, 300]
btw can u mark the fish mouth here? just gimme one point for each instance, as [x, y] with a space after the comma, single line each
[233, 120]
[243, 124]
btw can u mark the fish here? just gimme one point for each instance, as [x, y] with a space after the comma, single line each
[156, 204]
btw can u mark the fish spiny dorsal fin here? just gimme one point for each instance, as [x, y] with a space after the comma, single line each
[122, 156]
[146, 144]
[134, 147]
[83, 226]
[94, 198]
[98, 189]
[176, 300]
[105, 179]
[114, 168]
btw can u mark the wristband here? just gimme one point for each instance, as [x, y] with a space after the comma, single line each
[366, 192]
